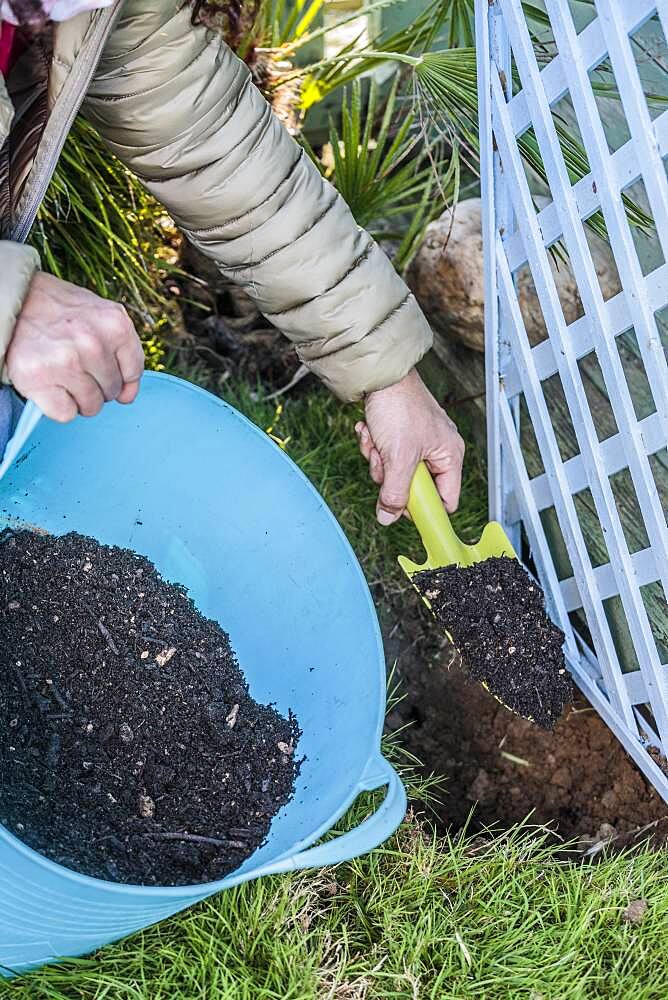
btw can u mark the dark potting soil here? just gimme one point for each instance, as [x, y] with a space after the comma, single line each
[130, 748]
[498, 768]
[496, 616]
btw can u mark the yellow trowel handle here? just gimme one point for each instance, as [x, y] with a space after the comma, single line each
[431, 520]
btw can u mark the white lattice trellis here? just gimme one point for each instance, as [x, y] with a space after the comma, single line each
[613, 610]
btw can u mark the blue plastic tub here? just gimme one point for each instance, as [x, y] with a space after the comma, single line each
[184, 479]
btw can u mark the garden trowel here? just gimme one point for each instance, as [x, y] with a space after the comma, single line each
[440, 542]
[445, 549]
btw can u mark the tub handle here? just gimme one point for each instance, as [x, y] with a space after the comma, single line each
[369, 834]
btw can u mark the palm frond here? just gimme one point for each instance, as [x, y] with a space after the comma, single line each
[300, 19]
[609, 90]
[447, 87]
[447, 101]
[461, 25]
[536, 15]
[293, 41]
[448, 187]
[321, 78]
[384, 170]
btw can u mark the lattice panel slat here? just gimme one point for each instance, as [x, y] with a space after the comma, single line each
[591, 513]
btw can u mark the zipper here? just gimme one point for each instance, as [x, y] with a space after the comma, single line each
[56, 131]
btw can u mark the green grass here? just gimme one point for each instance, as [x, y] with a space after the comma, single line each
[421, 917]
[425, 916]
[317, 432]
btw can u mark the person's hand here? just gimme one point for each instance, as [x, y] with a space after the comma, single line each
[72, 351]
[405, 425]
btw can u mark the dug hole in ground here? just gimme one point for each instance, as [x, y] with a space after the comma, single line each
[575, 778]
[499, 768]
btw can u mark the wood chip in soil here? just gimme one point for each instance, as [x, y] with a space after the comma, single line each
[131, 749]
[496, 616]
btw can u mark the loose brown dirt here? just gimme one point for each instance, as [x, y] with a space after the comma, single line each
[499, 768]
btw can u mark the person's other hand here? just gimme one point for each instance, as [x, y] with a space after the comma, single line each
[405, 425]
[72, 351]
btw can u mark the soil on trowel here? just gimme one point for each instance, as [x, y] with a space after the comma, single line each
[498, 768]
[130, 748]
[495, 613]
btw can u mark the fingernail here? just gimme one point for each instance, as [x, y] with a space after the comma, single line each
[385, 517]
[358, 427]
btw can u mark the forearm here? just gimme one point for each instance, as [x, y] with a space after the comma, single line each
[245, 194]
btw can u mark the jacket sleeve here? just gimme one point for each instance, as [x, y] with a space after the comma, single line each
[18, 264]
[180, 110]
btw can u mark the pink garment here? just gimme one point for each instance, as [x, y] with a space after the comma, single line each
[55, 10]
[8, 47]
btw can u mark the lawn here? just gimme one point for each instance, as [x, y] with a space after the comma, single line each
[427, 915]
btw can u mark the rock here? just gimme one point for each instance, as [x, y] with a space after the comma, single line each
[562, 777]
[112, 870]
[606, 832]
[125, 733]
[480, 787]
[609, 799]
[447, 278]
[165, 655]
[635, 911]
[146, 807]
[394, 721]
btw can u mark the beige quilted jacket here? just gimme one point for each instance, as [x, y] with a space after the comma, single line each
[177, 106]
